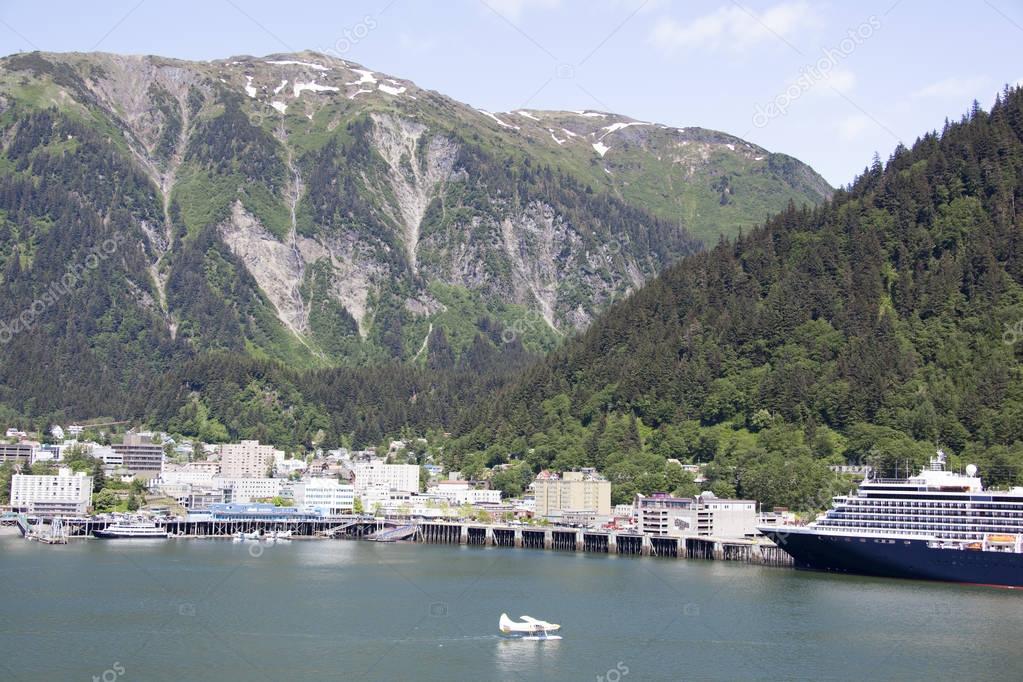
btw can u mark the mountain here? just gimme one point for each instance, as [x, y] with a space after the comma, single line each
[869, 330]
[308, 210]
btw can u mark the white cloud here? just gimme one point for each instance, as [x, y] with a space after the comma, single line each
[513, 9]
[852, 127]
[733, 27]
[953, 87]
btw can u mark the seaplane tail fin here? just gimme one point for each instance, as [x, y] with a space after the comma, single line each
[505, 623]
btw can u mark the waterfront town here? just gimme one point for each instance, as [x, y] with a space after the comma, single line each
[150, 475]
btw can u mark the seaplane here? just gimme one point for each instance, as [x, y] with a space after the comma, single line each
[529, 628]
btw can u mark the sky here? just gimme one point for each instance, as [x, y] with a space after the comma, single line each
[827, 82]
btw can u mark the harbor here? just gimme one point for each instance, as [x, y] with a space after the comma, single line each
[757, 551]
[310, 610]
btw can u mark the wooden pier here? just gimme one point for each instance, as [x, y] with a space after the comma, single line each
[600, 542]
[621, 543]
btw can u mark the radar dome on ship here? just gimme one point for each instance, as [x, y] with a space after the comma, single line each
[971, 469]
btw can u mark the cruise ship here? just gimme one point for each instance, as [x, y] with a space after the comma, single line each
[131, 530]
[938, 525]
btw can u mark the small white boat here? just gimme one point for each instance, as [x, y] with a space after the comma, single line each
[530, 628]
[282, 535]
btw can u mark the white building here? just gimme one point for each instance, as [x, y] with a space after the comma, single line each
[376, 474]
[286, 467]
[65, 493]
[326, 495]
[706, 515]
[111, 458]
[47, 453]
[247, 459]
[378, 499]
[460, 492]
[187, 474]
[245, 490]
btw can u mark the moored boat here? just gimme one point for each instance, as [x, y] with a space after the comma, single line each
[131, 530]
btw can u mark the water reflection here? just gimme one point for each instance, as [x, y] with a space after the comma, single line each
[516, 656]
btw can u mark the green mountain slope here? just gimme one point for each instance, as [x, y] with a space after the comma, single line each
[307, 210]
[871, 329]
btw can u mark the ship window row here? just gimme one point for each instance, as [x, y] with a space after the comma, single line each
[910, 526]
[870, 519]
[861, 502]
[930, 496]
[942, 535]
[921, 527]
[954, 513]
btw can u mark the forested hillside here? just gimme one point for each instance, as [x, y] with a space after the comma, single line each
[305, 210]
[872, 329]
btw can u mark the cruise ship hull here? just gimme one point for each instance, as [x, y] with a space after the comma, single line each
[898, 558]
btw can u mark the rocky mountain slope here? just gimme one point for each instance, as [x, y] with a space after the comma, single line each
[307, 209]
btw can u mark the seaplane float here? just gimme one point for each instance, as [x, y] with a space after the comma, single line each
[529, 628]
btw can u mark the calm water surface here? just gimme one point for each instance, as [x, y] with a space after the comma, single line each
[344, 610]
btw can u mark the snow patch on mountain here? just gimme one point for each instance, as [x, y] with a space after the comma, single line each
[280, 106]
[497, 120]
[280, 87]
[250, 90]
[312, 87]
[619, 126]
[365, 77]
[390, 89]
[601, 148]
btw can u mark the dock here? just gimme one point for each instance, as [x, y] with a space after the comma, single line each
[560, 539]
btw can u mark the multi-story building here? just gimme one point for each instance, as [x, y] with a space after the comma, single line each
[583, 491]
[326, 495]
[18, 453]
[247, 459]
[725, 518]
[376, 474]
[705, 515]
[461, 492]
[193, 473]
[139, 454]
[65, 493]
[245, 490]
[196, 498]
